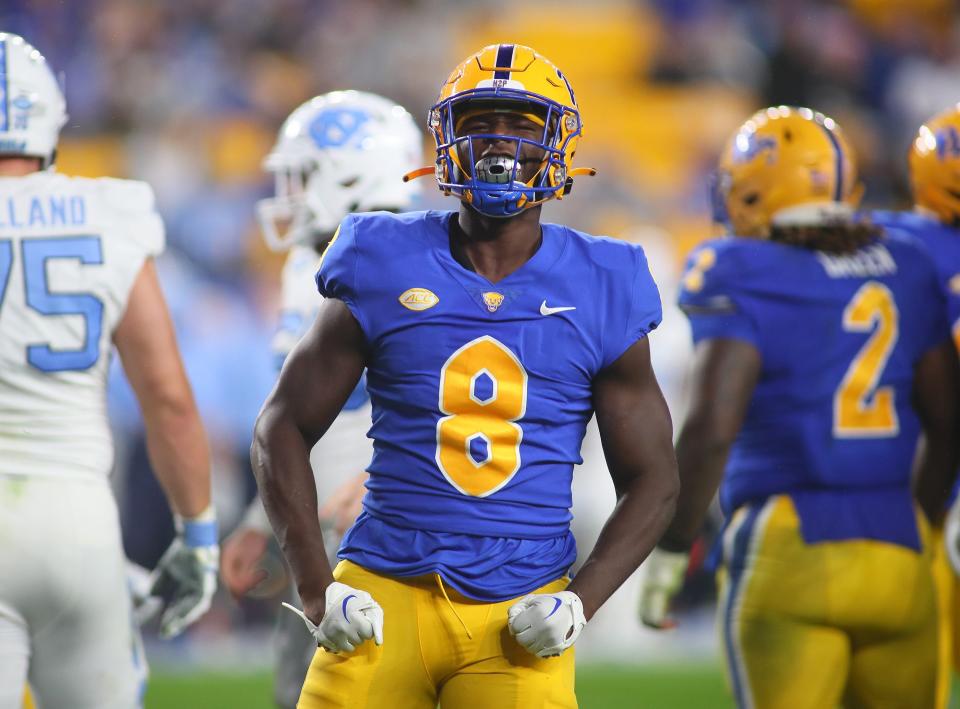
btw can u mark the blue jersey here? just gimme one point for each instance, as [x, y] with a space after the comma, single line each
[943, 244]
[481, 393]
[830, 422]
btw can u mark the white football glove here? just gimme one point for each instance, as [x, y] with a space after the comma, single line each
[951, 535]
[661, 577]
[350, 618]
[186, 574]
[546, 624]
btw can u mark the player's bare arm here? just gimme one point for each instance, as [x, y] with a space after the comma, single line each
[178, 450]
[315, 382]
[936, 393]
[725, 373]
[636, 433]
[176, 442]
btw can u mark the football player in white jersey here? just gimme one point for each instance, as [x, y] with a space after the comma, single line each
[342, 152]
[76, 279]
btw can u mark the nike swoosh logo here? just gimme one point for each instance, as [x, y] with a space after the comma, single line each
[343, 606]
[557, 603]
[547, 310]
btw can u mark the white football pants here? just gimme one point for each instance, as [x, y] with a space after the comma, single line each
[65, 614]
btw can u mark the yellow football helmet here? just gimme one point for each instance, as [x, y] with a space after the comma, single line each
[787, 166]
[515, 78]
[935, 166]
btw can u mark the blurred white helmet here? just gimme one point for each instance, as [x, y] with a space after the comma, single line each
[32, 108]
[342, 152]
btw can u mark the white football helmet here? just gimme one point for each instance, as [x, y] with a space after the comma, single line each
[32, 107]
[342, 152]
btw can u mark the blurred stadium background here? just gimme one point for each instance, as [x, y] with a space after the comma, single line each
[188, 95]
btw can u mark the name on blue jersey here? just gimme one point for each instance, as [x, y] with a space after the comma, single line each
[49, 211]
[872, 261]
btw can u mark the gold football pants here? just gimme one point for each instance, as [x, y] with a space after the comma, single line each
[438, 646]
[817, 625]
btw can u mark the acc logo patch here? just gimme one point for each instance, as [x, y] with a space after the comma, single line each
[492, 300]
[418, 299]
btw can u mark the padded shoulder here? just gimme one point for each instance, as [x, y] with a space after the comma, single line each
[718, 269]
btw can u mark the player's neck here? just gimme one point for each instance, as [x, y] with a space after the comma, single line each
[15, 166]
[494, 248]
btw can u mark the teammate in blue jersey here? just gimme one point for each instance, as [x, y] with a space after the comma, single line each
[934, 162]
[821, 354]
[489, 341]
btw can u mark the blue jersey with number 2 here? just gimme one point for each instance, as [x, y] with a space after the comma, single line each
[839, 336]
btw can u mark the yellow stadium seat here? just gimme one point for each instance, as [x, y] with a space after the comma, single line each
[91, 156]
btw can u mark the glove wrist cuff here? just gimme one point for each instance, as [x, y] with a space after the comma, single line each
[200, 530]
[576, 605]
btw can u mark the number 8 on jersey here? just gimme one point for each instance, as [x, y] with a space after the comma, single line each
[483, 392]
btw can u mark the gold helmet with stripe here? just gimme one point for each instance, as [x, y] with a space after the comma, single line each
[506, 78]
[786, 167]
[935, 166]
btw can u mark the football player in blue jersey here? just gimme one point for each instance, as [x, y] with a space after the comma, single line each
[489, 340]
[934, 162]
[821, 355]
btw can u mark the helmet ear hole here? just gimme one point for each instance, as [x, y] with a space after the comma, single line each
[751, 199]
[567, 186]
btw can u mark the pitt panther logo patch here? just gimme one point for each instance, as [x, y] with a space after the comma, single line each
[492, 300]
[418, 299]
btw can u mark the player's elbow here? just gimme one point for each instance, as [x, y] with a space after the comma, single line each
[659, 481]
[267, 440]
[170, 412]
[710, 429]
[260, 443]
[164, 393]
[670, 487]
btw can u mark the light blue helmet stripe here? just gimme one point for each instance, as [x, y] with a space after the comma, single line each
[4, 89]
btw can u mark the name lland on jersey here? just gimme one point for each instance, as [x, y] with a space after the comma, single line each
[52, 210]
[872, 261]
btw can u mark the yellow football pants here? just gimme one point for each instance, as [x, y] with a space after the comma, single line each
[947, 600]
[438, 646]
[817, 625]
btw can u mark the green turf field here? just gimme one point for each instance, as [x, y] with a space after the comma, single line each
[598, 687]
